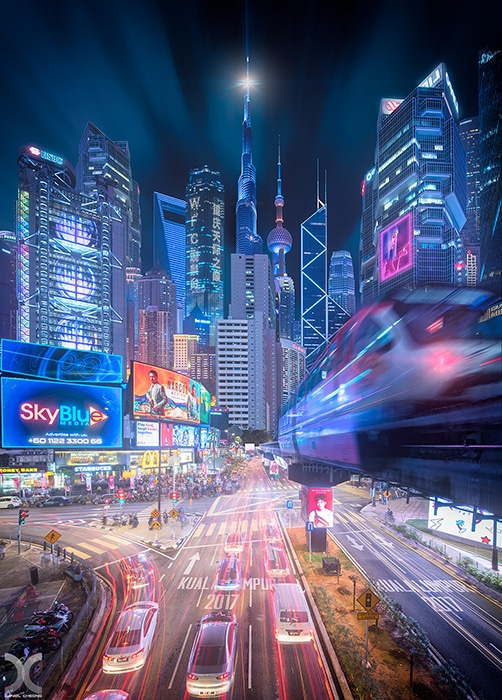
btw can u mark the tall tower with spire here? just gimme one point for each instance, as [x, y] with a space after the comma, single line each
[248, 241]
[279, 242]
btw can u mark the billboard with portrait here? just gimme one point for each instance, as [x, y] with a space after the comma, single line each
[395, 248]
[54, 415]
[164, 394]
[317, 505]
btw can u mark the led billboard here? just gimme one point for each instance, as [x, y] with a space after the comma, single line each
[395, 248]
[317, 505]
[63, 364]
[165, 394]
[147, 434]
[47, 414]
[174, 435]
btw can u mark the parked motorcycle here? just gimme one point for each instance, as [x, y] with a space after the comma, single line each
[59, 610]
[134, 521]
[44, 641]
[51, 621]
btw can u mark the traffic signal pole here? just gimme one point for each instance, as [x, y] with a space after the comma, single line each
[22, 515]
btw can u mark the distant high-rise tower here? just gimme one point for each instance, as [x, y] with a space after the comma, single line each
[205, 223]
[279, 243]
[368, 282]
[342, 287]
[8, 301]
[156, 318]
[419, 190]
[469, 135]
[248, 241]
[100, 157]
[314, 278]
[71, 282]
[169, 235]
[490, 127]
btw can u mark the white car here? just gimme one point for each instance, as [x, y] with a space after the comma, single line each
[228, 575]
[210, 670]
[234, 543]
[131, 638]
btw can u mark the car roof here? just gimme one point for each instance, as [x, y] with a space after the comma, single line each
[213, 633]
[132, 616]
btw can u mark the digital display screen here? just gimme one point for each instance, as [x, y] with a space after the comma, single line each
[63, 364]
[395, 248]
[164, 394]
[317, 505]
[50, 414]
[147, 434]
[174, 435]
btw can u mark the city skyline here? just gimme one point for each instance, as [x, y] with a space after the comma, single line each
[169, 82]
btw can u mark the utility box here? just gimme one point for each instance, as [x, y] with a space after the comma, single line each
[331, 565]
[34, 575]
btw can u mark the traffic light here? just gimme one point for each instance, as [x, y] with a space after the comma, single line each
[174, 496]
[121, 497]
[23, 514]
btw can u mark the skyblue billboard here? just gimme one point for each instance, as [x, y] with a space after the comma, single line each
[39, 414]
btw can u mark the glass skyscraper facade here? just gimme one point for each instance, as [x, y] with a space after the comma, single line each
[469, 135]
[341, 287]
[169, 235]
[205, 218]
[314, 297]
[490, 127]
[71, 253]
[419, 189]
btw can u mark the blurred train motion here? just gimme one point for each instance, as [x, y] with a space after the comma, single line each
[416, 368]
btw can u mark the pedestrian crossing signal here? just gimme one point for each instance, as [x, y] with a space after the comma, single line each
[23, 514]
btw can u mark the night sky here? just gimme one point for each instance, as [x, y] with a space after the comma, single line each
[165, 76]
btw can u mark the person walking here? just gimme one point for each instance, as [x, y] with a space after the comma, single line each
[3, 549]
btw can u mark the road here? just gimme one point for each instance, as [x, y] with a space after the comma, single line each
[463, 625]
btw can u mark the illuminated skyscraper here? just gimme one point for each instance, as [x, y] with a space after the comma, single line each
[205, 219]
[314, 278]
[8, 301]
[341, 287]
[71, 247]
[469, 135]
[169, 236]
[101, 158]
[490, 127]
[248, 241]
[419, 190]
[157, 318]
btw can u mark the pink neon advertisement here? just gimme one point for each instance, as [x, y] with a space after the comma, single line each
[395, 248]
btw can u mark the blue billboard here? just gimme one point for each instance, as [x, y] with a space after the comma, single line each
[63, 364]
[39, 414]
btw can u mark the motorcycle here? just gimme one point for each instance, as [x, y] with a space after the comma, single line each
[59, 624]
[59, 610]
[44, 641]
[134, 521]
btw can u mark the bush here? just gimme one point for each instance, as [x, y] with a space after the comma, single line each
[492, 579]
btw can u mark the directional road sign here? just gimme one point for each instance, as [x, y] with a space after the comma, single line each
[155, 525]
[173, 513]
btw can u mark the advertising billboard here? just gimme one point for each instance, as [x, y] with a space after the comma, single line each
[395, 248]
[205, 404]
[317, 506]
[164, 394]
[455, 520]
[147, 434]
[174, 435]
[62, 364]
[47, 414]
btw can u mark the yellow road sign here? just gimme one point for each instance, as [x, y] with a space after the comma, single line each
[173, 513]
[156, 525]
[368, 599]
[371, 615]
[155, 513]
[52, 536]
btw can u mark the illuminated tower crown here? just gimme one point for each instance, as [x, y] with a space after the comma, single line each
[279, 239]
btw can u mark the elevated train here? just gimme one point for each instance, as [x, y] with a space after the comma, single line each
[413, 375]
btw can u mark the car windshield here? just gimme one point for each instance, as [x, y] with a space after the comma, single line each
[125, 638]
[294, 616]
[430, 323]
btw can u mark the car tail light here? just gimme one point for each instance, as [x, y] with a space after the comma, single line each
[223, 676]
[136, 654]
[106, 657]
[192, 677]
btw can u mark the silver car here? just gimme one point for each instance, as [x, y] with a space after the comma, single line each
[131, 638]
[210, 670]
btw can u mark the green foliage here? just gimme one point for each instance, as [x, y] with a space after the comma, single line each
[492, 579]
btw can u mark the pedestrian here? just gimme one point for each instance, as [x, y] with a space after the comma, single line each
[3, 548]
